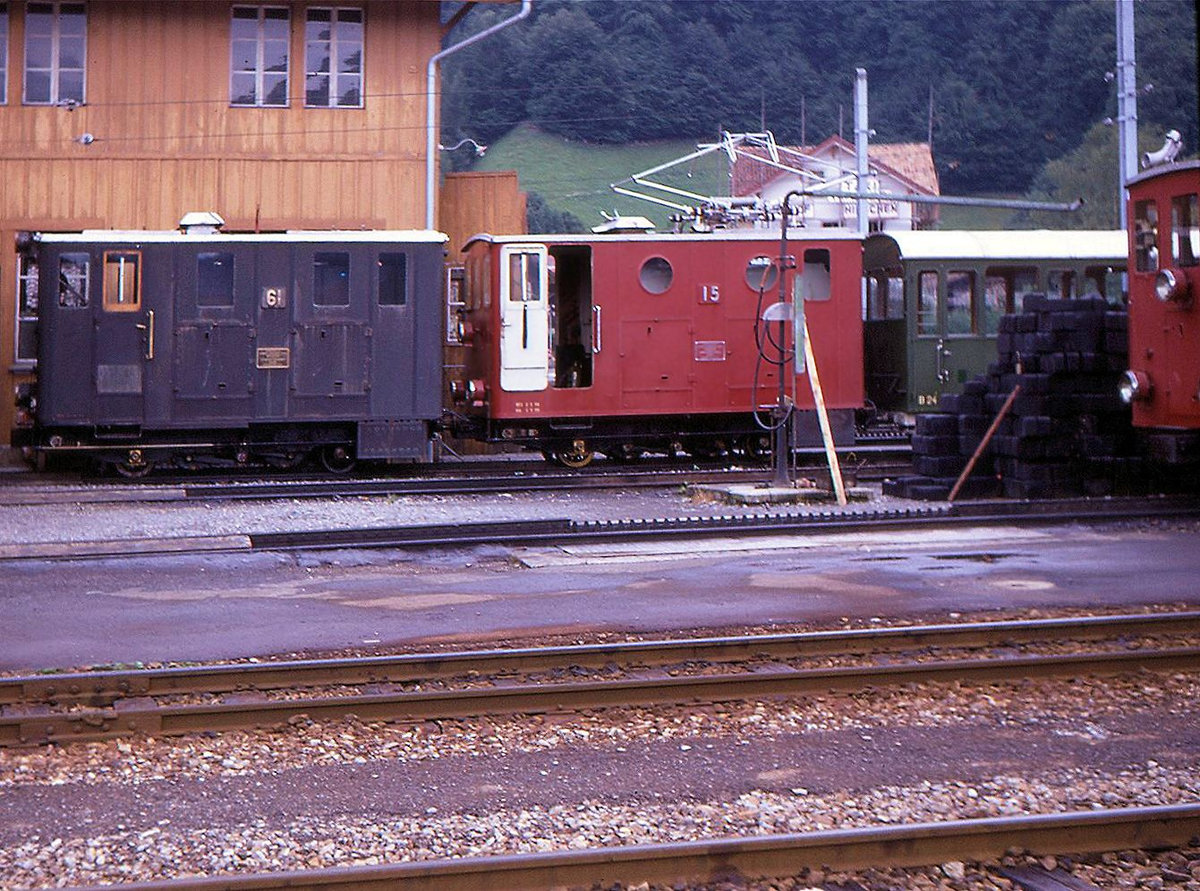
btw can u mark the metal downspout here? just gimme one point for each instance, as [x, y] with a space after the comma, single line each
[431, 141]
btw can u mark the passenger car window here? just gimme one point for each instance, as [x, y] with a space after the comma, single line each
[960, 305]
[927, 296]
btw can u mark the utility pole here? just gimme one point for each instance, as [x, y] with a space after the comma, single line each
[1126, 102]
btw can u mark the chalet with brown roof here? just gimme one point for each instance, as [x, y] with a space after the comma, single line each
[894, 169]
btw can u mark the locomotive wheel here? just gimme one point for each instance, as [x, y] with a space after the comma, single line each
[338, 458]
[135, 465]
[578, 455]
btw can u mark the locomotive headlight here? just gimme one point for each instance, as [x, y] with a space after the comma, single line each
[1134, 386]
[1171, 286]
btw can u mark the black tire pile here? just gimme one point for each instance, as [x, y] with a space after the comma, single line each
[1067, 433]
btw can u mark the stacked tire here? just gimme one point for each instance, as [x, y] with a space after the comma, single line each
[1067, 432]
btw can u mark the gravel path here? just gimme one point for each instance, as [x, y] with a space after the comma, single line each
[324, 795]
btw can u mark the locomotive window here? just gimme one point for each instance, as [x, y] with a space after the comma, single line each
[1145, 236]
[1185, 229]
[524, 278]
[814, 277]
[331, 278]
[927, 303]
[960, 307]
[656, 275]
[761, 273]
[73, 272]
[214, 279]
[393, 279]
[122, 281]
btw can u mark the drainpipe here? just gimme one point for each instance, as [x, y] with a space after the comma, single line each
[431, 141]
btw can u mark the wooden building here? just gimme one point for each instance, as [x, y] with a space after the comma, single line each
[893, 169]
[278, 115]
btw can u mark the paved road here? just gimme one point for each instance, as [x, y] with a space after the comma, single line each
[147, 609]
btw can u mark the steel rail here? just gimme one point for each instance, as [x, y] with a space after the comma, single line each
[141, 716]
[450, 480]
[720, 859]
[106, 687]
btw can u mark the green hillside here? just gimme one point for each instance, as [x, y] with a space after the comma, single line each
[575, 177]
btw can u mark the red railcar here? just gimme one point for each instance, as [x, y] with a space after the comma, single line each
[1163, 380]
[623, 343]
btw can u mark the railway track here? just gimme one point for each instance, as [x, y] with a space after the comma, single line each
[173, 701]
[720, 859]
[472, 478]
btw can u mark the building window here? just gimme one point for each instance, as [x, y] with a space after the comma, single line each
[3, 53]
[258, 73]
[27, 310]
[55, 53]
[333, 58]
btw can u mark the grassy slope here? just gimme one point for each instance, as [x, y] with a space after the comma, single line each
[575, 177]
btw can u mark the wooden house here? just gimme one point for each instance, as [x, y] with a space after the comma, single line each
[276, 115]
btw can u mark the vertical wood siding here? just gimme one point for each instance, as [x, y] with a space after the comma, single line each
[168, 142]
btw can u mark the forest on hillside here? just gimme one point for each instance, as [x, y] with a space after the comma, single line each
[1003, 86]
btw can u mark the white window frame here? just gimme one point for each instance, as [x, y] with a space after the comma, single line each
[4, 29]
[259, 70]
[27, 272]
[55, 71]
[333, 75]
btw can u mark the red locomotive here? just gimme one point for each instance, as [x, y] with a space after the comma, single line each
[629, 342]
[1163, 380]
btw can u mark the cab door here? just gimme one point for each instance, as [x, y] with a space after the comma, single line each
[524, 319]
[126, 339]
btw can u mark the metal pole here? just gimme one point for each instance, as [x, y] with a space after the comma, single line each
[1126, 102]
[861, 135]
[782, 415]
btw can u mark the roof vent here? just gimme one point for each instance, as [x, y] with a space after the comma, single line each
[617, 224]
[201, 222]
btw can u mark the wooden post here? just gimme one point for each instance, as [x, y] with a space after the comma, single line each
[835, 469]
[983, 443]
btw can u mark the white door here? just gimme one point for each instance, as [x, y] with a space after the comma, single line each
[524, 319]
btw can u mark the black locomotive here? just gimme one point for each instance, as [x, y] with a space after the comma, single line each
[199, 347]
